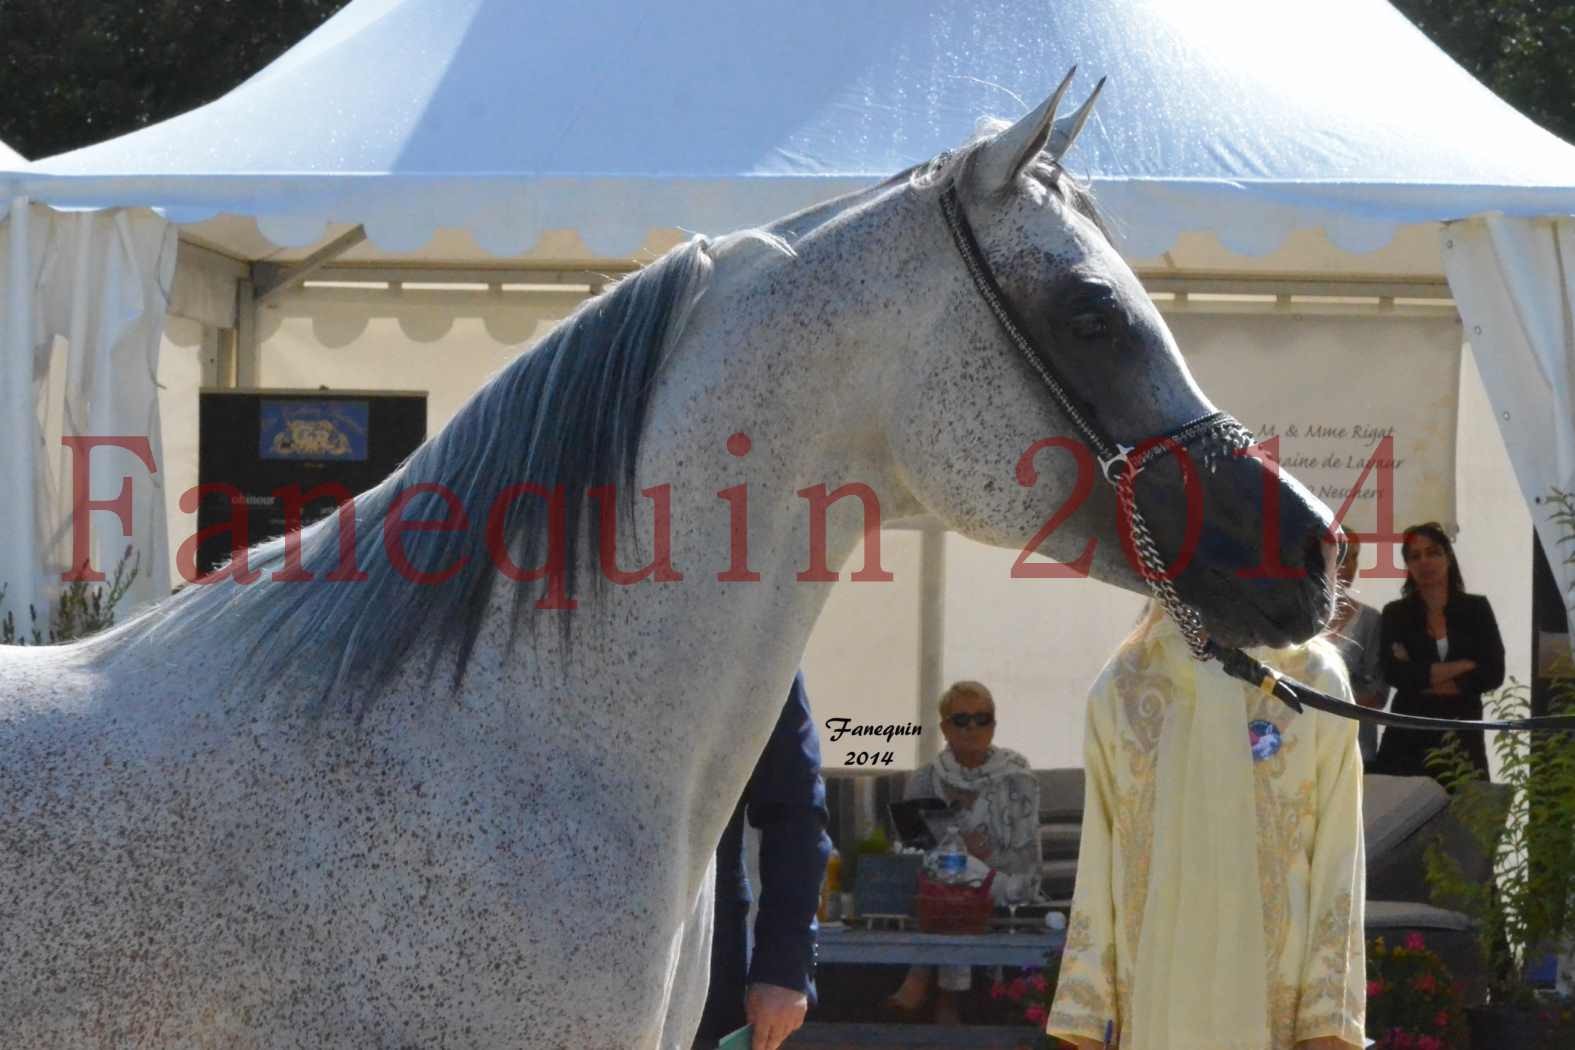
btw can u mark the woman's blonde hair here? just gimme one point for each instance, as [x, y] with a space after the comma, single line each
[965, 687]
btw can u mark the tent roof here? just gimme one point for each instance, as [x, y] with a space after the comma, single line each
[505, 118]
[10, 158]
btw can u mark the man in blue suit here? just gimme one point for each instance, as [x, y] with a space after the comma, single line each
[785, 799]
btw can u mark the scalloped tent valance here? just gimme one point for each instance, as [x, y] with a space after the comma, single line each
[506, 118]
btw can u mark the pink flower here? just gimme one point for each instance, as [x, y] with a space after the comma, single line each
[1018, 988]
[1035, 1013]
[1427, 1042]
[1425, 983]
[998, 990]
[1039, 983]
[1375, 989]
[1442, 1020]
[1414, 942]
[1402, 1040]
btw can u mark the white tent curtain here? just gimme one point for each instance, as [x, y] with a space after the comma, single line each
[21, 573]
[1514, 281]
[86, 296]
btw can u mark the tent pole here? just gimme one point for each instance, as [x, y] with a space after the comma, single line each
[272, 279]
[932, 638]
[224, 361]
[248, 363]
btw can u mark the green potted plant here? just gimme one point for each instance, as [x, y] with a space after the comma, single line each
[1528, 908]
[81, 610]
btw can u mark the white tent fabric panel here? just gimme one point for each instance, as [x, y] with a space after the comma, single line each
[1514, 280]
[21, 339]
[10, 159]
[505, 118]
[186, 343]
[862, 661]
[1330, 386]
[447, 341]
[86, 302]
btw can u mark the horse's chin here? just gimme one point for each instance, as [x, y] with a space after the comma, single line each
[1242, 623]
[1233, 636]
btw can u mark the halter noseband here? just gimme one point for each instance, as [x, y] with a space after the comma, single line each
[1216, 433]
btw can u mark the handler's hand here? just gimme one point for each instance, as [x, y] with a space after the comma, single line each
[775, 1012]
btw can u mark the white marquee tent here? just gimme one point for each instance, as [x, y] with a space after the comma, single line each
[1239, 146]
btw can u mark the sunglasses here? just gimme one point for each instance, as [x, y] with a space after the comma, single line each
[984, 719]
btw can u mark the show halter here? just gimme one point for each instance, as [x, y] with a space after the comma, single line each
[1216, 434]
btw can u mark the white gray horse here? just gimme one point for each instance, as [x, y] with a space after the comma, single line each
[379, 798]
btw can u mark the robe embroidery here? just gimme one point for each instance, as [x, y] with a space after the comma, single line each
[1310, 887]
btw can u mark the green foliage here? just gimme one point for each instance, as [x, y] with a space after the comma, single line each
[1562, 514]
[1529, 907]
[1524, 50]
[1530, 904]
[74, 72]
[83, 608]
[873, 844]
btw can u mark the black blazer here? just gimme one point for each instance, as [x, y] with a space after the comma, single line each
[1473, 635]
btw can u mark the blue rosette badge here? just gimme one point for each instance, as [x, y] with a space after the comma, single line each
[1265, 737]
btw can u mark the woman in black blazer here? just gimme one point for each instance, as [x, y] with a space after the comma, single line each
[1441, 651]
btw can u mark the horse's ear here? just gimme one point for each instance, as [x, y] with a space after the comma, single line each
[1004, 157]
[1065, 131]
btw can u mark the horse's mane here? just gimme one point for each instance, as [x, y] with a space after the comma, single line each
[567, 414]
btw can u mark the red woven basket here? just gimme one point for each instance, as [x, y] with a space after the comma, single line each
[945, 908]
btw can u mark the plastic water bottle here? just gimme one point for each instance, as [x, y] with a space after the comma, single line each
[951, 857]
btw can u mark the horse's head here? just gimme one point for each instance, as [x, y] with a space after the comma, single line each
[1255, 547]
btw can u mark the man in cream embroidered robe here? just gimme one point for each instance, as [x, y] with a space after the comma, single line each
[1221, 876]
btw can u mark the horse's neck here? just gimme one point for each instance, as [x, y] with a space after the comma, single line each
[778, 349]
[789, 352]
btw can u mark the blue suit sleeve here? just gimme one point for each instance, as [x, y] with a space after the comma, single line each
[786, 800]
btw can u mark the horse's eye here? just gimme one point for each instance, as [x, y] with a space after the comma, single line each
[1090, 324]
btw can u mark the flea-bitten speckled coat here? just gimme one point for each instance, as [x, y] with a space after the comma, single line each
[1220, 881]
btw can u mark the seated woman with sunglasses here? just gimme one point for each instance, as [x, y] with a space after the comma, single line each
[997, 799]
